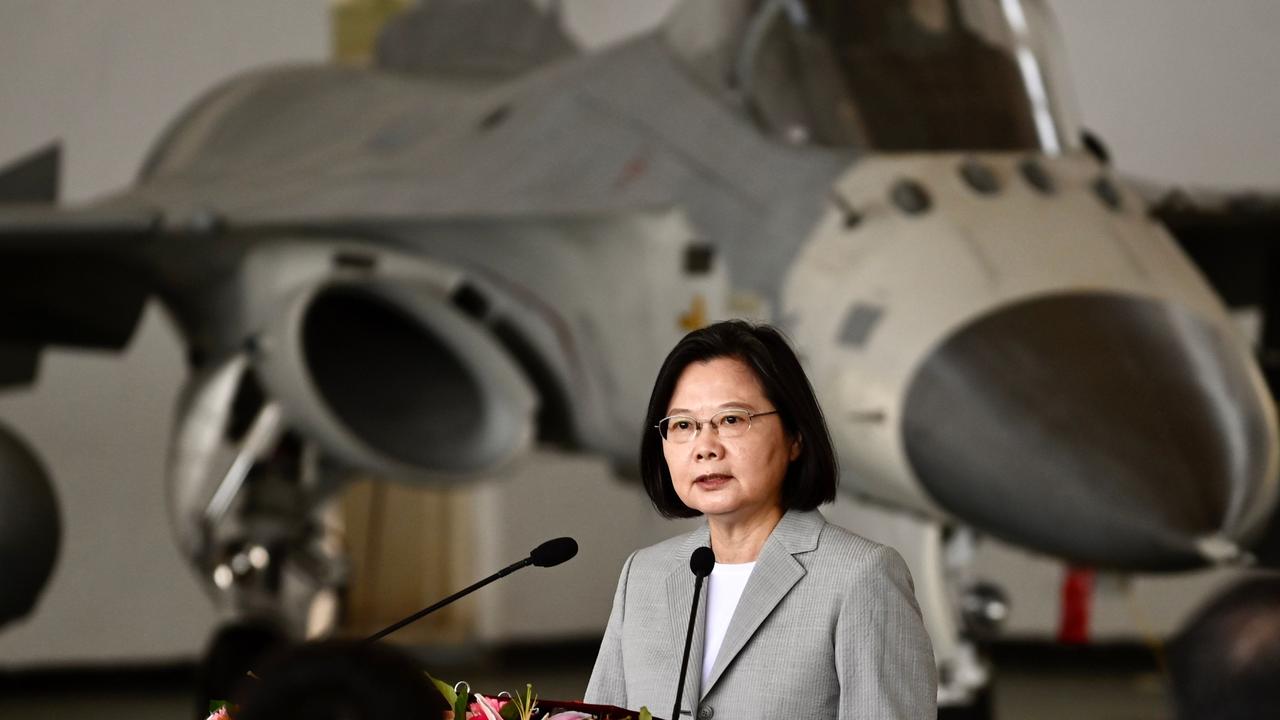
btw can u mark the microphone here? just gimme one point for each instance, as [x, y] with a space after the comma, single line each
[701, 562]
[548, 554]
[552, 552]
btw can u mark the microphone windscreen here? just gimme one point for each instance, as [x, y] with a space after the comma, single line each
[702, 561]
[554, 552]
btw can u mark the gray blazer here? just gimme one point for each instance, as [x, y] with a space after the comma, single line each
[827, 627]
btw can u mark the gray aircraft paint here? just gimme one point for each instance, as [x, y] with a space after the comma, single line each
[548, 230]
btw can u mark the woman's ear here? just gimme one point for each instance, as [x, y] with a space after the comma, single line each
[796, 444]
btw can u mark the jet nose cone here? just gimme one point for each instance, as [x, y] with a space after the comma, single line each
[1107, 429]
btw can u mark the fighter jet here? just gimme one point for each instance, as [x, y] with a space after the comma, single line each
[491, 239]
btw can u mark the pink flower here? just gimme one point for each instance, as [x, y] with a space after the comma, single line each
[220, 714]
[485, 708]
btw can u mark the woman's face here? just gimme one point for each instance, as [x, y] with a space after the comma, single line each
[728, 478]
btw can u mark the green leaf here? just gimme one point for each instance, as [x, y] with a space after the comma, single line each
[216, 705]
[460, 705]
[445, 689]
[645, 714]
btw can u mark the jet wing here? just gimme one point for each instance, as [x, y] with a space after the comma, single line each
[66, 276]
[64, 280]
[42, 228]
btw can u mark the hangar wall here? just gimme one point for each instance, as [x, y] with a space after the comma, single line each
[105, 78]
[1181, 90]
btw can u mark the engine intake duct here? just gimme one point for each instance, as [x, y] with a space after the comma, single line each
[395, 383]
[378, 366]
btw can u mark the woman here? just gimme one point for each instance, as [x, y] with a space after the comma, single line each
[801, 619]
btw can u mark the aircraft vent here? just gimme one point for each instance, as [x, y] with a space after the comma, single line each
[383, 366]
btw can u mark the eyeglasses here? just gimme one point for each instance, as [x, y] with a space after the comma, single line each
[730, 423]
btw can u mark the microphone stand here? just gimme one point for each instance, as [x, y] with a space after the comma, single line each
[701, 563]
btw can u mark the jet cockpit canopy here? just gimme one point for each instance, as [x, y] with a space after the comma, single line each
[888, 75]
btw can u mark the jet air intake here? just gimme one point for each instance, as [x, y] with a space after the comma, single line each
[375, 362]
[1109, 429]
[397, 385]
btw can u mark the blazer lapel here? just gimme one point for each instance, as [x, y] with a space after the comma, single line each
[679, 598]
[775, 573]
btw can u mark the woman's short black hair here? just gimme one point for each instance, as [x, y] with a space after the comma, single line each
[811, 478]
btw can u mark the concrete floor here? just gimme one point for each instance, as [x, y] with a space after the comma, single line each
[1033, 684]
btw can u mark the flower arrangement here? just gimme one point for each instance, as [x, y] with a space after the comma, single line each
[504, 706]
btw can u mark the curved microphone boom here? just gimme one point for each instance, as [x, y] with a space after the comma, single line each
[701, 563]
[548, 554]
